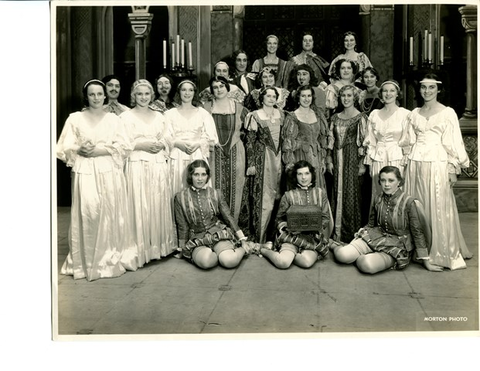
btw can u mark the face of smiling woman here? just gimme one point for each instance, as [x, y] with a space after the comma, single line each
[346, 71]
[305, 98]
[143, 96]
[429, 91]
[347, 98]
[268, 79]
[389, 93]
[95, 96]
[369, 79]
[270, 98]
[349, 42]
[186, 92]
[199, 177]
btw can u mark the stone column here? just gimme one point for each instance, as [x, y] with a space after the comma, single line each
[141, 22]
[469, 21]
[238, 16]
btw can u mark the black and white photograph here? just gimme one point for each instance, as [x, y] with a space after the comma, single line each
[261, 174]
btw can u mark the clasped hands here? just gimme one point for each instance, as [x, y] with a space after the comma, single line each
[151, 146]
[88, 149]
[187, 147]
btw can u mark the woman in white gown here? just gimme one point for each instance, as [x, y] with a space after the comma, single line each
[94, 144]
[193, 134]
[148, 178]
[436, 157]
[385, 128]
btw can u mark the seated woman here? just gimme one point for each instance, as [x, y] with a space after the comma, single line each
[205, 224]
[395, 230]
[303, 248]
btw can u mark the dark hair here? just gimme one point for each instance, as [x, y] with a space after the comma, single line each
[302, 88]
[191, 169]
[432, 76]
[108, 78]
[262, 72]
[394, 170]
[85, 89]
[293, 81]
[220, 79]
[263, 92]
[338, 65]
[171, 84]
[373, 71]
[299, 165]
[348, 33]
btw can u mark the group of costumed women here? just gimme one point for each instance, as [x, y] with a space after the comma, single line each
[215, 175]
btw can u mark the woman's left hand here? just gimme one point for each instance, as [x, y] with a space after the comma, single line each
[431, 267]
[361, 169]
[192, 147]
[452, 179]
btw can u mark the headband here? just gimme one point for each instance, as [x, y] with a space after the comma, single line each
[185, 81]
[433, 81]
[216, 64]
[140, 83]
[390, 82]
[93, 80]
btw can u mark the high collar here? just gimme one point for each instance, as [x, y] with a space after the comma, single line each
[305, 187]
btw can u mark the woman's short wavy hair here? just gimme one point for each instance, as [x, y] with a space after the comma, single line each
[303, 88]
[338, 65]
[191, 169]
[356, 93]
[195, 100]
[372, 70]
[136, 85]
[263, 92]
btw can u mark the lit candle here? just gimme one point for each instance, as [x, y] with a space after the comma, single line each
[441, 50]
[190, 61]
[183, 53]
[425, 47]
[173, 56]
[178, 49]
[164, 54]
[411, 51]
[430, 48]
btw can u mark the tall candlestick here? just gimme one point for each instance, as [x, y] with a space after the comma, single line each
[411, 51]
[430, 48]
[164, 54]
[190, 61]
[425, 47]
[441, 50]
[173, 56]
[178, 49]
[183, 53]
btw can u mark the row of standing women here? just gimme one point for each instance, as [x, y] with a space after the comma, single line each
[125, 170]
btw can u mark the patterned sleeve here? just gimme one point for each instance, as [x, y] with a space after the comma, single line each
[251, 127]
[452, 141]
[281, 218]
[289, 134]
[181, 221]
[361, 133]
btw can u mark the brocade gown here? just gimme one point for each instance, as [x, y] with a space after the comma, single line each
[347, 153]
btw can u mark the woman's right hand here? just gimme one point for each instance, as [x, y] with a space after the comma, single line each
[251, 171]
[330, 168]
[86, 149]
[431, 267]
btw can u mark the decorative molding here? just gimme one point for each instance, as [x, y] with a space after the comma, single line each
[141, 23]
[140, 8]
[365, 9]
[469, 17]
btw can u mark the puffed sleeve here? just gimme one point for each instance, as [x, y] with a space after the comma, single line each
[331, 70]
[370, 141]
[452, 141]
[209, 133]
[69, 142]
[290, 143]
[164, 135]
[331, 97]
[364, 61]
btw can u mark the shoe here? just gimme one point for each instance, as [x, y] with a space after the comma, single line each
[322, 249]
[251, 247]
